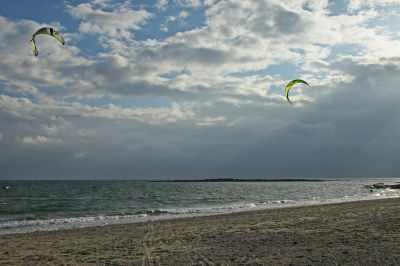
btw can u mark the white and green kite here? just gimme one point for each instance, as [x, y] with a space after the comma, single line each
[47, 31]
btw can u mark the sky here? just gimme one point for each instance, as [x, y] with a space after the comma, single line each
[195, 89]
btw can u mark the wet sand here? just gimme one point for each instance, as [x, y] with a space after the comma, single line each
[352, 233]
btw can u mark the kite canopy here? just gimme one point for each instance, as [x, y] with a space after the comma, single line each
[290, 84]
[47, 31]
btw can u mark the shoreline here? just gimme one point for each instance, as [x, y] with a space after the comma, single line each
[57, 224]
[355, 232]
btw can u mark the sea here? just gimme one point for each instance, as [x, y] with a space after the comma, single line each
[28, 206]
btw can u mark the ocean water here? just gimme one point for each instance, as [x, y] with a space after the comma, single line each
[29, 206]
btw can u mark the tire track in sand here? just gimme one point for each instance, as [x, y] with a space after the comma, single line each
[148, 258]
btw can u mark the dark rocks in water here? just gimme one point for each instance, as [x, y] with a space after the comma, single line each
[382, 185]
[376, 186]
[6, 187]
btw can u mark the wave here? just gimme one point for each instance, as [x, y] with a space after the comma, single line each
[26, 226]
[188, 205]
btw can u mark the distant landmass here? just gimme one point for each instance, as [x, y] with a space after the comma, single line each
[244, 180]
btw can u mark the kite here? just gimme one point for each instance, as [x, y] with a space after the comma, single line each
[290, 84]
[48, 31]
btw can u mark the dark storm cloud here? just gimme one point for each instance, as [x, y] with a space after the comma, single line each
[348, 131]
[363, 114]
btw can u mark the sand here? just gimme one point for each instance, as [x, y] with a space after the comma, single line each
[352, 233]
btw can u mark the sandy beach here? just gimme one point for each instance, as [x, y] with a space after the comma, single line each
[351, 233]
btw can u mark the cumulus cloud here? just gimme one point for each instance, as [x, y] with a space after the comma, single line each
[188, 3]
[118, 23]
[178, 18]
[161, 4]
[358, 4]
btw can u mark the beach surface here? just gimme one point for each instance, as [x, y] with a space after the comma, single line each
[350, 233]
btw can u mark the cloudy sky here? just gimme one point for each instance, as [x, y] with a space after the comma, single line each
[194, 89]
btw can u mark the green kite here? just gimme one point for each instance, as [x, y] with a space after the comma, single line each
[47, 31]
[290, 84]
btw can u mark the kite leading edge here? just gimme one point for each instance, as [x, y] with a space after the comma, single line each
[48, 31]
